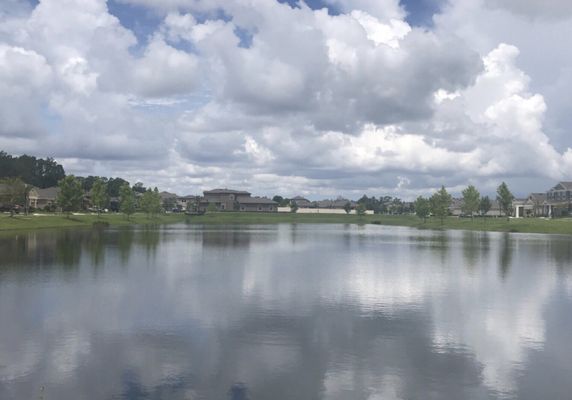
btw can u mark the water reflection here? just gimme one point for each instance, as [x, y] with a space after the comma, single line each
[505, 255]
[282, 312]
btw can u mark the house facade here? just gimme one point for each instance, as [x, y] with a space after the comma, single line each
[559, 200]
[535, 205]
[187, 203]
[456, 208]
[44, 198]
[257, 204]
[556, 202]
[235, 200]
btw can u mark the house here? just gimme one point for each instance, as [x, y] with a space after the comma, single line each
[44, 198]
[301, 202]
[235, 200]
[535, 205]
[222, 199]
[560, 193]
[168, 200]
[187, 202]
[556, 202]
[166, 195]
[456, 208]
[339, 203]
[9, 193]
[260, 204]
[559, 200]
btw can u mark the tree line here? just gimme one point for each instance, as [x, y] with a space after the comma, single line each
[71, 197]
[439, 203]
[20, 174]
[31, 170]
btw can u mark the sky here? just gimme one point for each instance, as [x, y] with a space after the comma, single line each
[319, 98]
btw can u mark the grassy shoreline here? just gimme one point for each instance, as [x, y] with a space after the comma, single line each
[51, 221]
[523, 225]
[529, 225]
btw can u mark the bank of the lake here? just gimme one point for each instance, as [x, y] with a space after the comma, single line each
[523, 225]
[32, 222]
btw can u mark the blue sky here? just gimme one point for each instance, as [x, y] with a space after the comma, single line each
[143, 21]
[319, 105]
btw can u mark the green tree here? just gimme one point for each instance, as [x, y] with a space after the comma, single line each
[70, 196]
[157, 204]
[99, 195]
[360, 209]
[348, 207]
[485, 205]
[13, 193]
[34, 171]
[127, 202]
[278, 199]
[139, 188]
[505, 199]
[422, 208]
[440, 203]
[471, 197]
[151, 202]
[114, 185]
[146, 202]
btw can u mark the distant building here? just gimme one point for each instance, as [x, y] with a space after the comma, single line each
[44, 198]
[166, 196]
[556, 202]
[187, 202]
[257, 204]
[559, 200]
[535, 205]
[301, 202]
[339, 203]
[456, 208]
[235, 200]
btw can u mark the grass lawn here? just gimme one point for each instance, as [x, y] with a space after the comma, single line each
[526, 225]
[31, 222]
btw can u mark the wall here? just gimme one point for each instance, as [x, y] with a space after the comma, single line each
[320, 210]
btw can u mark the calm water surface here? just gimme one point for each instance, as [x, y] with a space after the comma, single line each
[285, 312]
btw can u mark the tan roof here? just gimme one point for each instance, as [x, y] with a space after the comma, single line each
[167, 195]
[256, 200]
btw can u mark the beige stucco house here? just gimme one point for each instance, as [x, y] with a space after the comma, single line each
[236, 200]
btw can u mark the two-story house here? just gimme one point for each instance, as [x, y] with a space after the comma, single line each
[235, 200]
[559, 200]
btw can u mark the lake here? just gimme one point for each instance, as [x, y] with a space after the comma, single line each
[285, 312]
